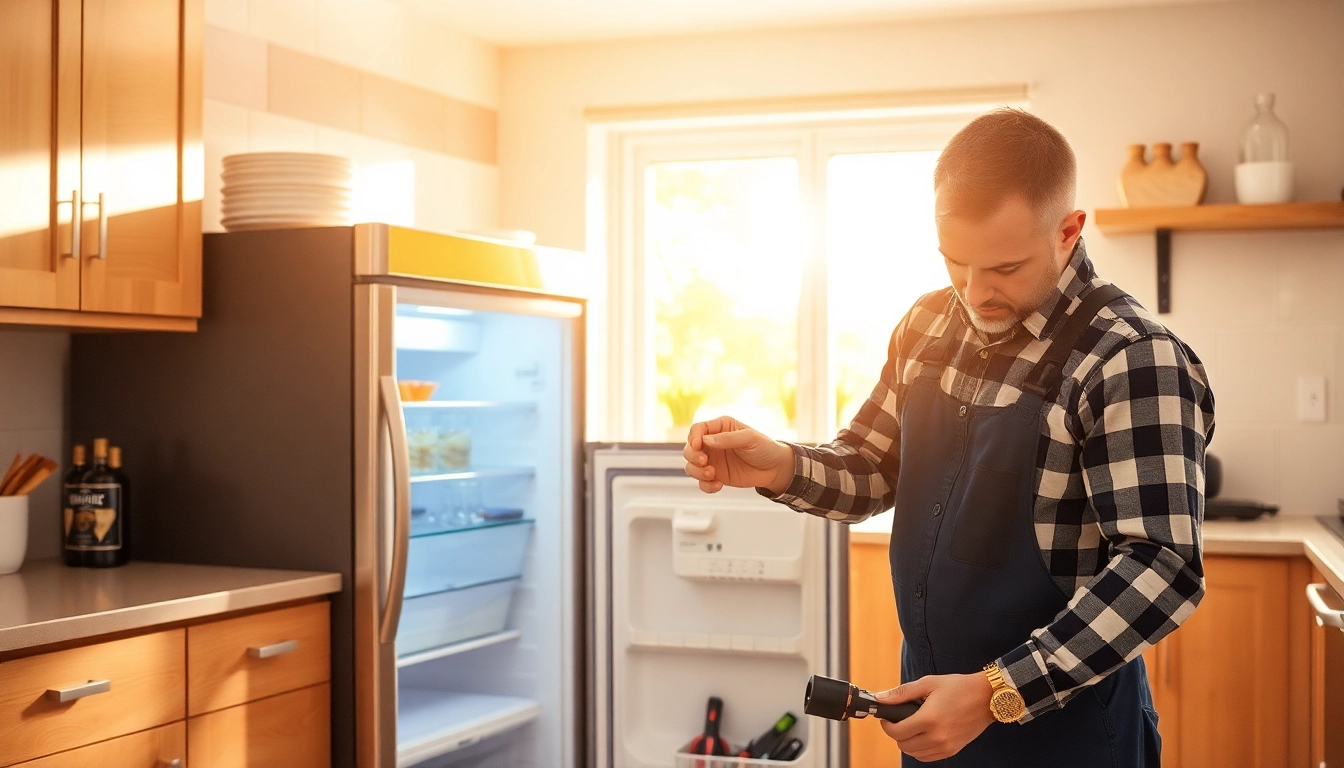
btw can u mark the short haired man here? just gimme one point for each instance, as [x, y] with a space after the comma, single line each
[1041, 437]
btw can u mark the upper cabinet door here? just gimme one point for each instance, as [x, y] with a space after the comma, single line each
[39, 152]
[142, 162]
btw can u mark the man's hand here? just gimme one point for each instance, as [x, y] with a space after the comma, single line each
[724, 451]
[954, 712]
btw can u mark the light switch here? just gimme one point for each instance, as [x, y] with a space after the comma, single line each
[1311, 399]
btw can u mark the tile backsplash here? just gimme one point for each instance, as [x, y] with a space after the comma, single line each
[33, 375]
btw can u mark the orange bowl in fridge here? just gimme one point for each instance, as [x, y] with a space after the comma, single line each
[413, 391]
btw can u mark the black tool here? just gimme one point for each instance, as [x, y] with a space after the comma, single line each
[839, 700]
[709, 743]
[765, 744]
[790, 751]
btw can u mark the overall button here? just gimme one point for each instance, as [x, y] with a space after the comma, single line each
[984, 353]
[919, 590]
[962, 411]
[937, 509]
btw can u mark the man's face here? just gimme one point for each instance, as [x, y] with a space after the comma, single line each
[1004, 266]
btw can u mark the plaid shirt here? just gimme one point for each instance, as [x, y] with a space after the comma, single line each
[1120, 472]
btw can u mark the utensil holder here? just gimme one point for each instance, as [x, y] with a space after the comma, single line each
[13, 532]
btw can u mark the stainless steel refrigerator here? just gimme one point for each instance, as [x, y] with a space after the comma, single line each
[406, 408]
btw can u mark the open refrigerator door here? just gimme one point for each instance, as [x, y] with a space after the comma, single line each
[696, 597]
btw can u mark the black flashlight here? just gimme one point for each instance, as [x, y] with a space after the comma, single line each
[839, 700]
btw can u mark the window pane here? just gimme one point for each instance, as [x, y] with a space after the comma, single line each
[882, 254]
[724, 267]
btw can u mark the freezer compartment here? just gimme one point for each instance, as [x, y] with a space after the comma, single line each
[444, 618]
[433, 723]
[457, 558]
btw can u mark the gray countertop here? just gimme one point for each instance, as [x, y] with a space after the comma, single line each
[46, 602]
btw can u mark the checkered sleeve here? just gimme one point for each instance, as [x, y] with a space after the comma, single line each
[853, 477]
[1144, 417]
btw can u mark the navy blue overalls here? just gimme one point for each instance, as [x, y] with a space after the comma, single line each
[970, 581]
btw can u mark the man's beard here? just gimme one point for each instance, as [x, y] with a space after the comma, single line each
[1049, 281]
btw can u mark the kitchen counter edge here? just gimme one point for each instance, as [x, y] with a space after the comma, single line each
[1283, 535]
[46, 602]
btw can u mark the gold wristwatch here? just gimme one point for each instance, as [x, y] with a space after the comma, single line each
[1005, 703]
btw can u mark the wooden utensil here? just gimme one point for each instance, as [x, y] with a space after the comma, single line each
[18, 459]
[35, 478]
[17, 478]
[1163, 182]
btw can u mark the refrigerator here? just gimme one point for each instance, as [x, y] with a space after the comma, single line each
[406, 408]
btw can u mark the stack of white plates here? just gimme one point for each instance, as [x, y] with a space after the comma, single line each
[274, 190]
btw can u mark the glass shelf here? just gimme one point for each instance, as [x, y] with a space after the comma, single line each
[443, 651]
[466, 529]
[480, 473]
[470, 405]
[431, 723]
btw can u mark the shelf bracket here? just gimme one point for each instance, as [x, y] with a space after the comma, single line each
[1163, 271]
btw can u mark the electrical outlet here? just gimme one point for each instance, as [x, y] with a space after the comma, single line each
[1311, 399]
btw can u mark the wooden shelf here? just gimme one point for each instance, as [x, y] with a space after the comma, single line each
[1221, 218]
[1212, 218]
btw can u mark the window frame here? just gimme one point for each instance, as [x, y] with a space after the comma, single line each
[621, 371]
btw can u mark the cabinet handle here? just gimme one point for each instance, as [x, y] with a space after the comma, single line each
[76, 222]
[176, 762]
[102, 225]
[1325, 615]
[274, 649]
[71, 693]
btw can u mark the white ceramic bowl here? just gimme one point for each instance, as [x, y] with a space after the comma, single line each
[13, 532]
[1264, 183]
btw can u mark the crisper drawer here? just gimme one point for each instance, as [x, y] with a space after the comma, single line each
[455, 558]
[164, 747]
[110, 689]
[238, 660]
[444, 618]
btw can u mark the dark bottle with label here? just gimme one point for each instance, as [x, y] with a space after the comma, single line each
[69, 490]
[114, 464]
[97, 531]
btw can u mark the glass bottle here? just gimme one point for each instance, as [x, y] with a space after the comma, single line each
[114, 464]
[1266, 138]
[69, 497]
[98, 516]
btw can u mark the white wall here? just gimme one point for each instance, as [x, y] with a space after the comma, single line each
[33, 370]
[378, 37]
[1260, 309]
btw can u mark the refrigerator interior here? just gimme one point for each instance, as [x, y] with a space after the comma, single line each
[484, 644]
[726, 595]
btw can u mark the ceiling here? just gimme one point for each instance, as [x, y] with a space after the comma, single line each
[516, 23]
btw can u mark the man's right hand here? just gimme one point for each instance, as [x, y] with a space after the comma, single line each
[724, 451]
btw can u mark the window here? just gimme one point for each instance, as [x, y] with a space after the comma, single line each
[759, 271]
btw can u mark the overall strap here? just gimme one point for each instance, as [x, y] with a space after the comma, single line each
[1044, 380]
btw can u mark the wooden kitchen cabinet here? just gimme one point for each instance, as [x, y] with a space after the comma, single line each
[101, 166]
[1232, 686]
[272, 665]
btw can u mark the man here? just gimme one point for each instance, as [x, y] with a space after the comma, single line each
[1041, 437]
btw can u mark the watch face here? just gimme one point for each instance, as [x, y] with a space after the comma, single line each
[1007, 706]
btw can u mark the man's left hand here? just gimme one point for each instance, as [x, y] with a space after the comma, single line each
[954, 712]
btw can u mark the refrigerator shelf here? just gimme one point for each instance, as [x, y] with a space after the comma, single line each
[684, 760]
[470, 405]
[411, 659]
[466, 529]
[476, 474]
[442, 618]
[694, 641]
[433, 723]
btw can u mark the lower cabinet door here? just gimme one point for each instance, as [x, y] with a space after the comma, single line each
[164, 747]
[291, 730]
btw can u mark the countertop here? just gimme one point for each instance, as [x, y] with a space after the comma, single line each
[46, 602]
[1280, 535]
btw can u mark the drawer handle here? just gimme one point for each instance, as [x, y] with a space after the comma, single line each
[73, 692]
[1325, 615]
[274, 649]
[176, 762]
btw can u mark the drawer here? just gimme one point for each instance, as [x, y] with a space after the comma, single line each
[164, 747]
[145, 677]
[292, 730]
[239, 660]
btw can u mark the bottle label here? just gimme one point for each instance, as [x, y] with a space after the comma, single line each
[93, 517]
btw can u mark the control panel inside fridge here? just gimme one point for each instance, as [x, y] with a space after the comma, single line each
[722, 595]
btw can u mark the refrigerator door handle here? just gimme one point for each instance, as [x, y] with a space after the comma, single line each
[401, 504]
